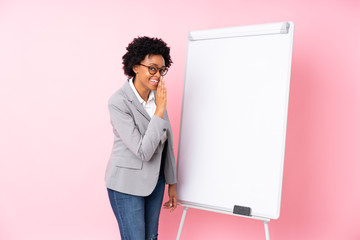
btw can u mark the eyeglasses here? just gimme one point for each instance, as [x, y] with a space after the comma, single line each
[154, 69]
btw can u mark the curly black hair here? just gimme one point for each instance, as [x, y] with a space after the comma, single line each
[139, 48]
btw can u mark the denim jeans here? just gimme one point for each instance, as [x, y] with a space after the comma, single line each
[138, 217]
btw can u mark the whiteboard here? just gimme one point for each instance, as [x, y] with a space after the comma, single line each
[233, 120]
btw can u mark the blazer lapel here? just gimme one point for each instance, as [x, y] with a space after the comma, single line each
[130, 95]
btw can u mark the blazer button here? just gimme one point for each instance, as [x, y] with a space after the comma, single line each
[164, 129]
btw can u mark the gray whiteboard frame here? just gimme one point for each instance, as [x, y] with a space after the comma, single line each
[254, 30]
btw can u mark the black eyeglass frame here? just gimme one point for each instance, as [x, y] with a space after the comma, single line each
[162, 71]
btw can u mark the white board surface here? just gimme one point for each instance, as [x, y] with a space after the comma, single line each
[234, 114]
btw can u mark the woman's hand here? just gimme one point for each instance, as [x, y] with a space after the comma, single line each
[172, 203]
[161, 98]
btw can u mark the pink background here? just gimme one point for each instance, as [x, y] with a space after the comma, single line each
[61, 60]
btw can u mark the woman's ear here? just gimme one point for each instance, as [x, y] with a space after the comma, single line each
[136, 69]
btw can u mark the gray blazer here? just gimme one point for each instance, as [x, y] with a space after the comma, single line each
[134, 164]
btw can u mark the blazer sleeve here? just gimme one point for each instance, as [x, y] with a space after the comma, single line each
[143, 146]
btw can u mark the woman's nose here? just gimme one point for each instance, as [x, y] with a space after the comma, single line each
[157, 74]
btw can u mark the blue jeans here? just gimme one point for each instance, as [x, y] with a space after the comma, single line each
[138, 217]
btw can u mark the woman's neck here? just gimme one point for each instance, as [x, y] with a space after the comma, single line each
[142, 90]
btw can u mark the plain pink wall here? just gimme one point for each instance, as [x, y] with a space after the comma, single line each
[61, 60]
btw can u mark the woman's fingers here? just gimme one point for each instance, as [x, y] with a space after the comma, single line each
[160, 98]
[167, 205]
[171, 204]
[174, 204]
[161, 94]
[162, 86]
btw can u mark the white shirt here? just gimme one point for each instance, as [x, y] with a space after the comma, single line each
[149, 106]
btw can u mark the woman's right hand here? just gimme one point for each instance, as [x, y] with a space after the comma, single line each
[161, 98]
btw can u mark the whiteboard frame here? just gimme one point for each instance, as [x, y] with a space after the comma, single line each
[272, 28]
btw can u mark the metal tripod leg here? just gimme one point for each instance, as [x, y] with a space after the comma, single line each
[181, 223]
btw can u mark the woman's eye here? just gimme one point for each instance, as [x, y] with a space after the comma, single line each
[152, 69]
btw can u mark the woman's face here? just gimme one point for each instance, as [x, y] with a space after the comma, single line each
[143, 78]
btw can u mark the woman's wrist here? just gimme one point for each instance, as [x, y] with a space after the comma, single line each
[159, 113]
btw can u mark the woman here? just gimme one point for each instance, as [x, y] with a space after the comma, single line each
[142, 158]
